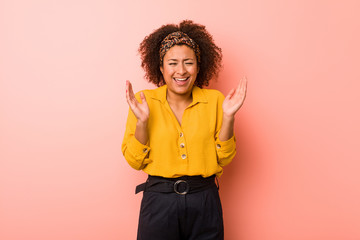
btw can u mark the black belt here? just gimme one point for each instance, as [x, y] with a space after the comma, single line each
[182, 185]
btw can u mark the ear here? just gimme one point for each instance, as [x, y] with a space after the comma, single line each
[198, 69]
[162, 69]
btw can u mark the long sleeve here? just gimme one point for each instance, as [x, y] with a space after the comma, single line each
[190, 148]
[225, 150]
[135, 153]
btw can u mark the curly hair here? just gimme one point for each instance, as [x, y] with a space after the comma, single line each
[211, 55]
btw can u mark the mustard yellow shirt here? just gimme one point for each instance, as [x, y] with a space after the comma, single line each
[174, 150]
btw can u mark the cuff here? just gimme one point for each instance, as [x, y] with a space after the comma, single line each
[137, 149]
[227, 146]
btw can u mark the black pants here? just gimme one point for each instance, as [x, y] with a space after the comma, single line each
[171, 216]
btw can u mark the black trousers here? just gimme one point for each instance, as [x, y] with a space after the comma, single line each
[171, 216]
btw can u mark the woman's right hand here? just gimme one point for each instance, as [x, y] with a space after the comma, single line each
[140, 110]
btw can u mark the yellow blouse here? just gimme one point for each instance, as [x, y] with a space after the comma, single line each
[174, 150]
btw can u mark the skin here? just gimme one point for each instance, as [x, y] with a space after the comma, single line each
[180, 64]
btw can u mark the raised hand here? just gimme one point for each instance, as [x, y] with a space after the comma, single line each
[140, 110]
[235, 99]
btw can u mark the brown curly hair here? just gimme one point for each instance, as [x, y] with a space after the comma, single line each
[211, 55]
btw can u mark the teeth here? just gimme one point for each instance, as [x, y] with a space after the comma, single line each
[180, 79]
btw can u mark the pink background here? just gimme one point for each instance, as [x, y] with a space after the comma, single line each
[63, 66]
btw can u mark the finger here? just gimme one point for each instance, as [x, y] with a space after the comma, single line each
[238, 92]
[131, 93]
[129, 101]
[241, 90]
[239, 85]
[244, 82]
[130, 88]
[127, 91]
[244, 90]
[130, 97]
[244, 86]
[127, 86]
[142, 97]
[230, 94]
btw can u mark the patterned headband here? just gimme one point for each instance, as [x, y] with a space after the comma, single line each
[176, 38]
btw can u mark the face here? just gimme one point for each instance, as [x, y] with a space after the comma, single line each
[179, 70]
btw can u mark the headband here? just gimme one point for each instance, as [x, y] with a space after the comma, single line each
[176, 38]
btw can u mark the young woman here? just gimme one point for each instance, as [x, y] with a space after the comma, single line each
[181, 134]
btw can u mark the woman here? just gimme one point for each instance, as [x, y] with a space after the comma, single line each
[181, 134]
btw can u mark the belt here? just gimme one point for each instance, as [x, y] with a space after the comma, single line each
[182, 185]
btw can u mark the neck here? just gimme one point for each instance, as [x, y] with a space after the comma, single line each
[178, 99]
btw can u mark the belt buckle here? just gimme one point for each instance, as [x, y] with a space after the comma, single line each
[176, 187]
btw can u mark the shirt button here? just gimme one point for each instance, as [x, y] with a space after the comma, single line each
[183, 156]
[181, 134]
[182, 145]
[145, 150]
[218, 145]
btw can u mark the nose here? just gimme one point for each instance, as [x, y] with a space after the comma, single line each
[181, 69]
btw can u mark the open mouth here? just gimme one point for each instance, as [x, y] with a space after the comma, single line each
[181, 81]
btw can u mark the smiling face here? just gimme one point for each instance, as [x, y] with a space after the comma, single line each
[179, 70]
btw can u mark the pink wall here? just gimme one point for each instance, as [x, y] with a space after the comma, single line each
[63, 66]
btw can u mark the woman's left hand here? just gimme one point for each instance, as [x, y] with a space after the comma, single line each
[235, 99]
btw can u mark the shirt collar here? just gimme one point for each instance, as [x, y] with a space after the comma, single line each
[197, 93]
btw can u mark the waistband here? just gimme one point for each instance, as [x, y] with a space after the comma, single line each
[181, 185]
